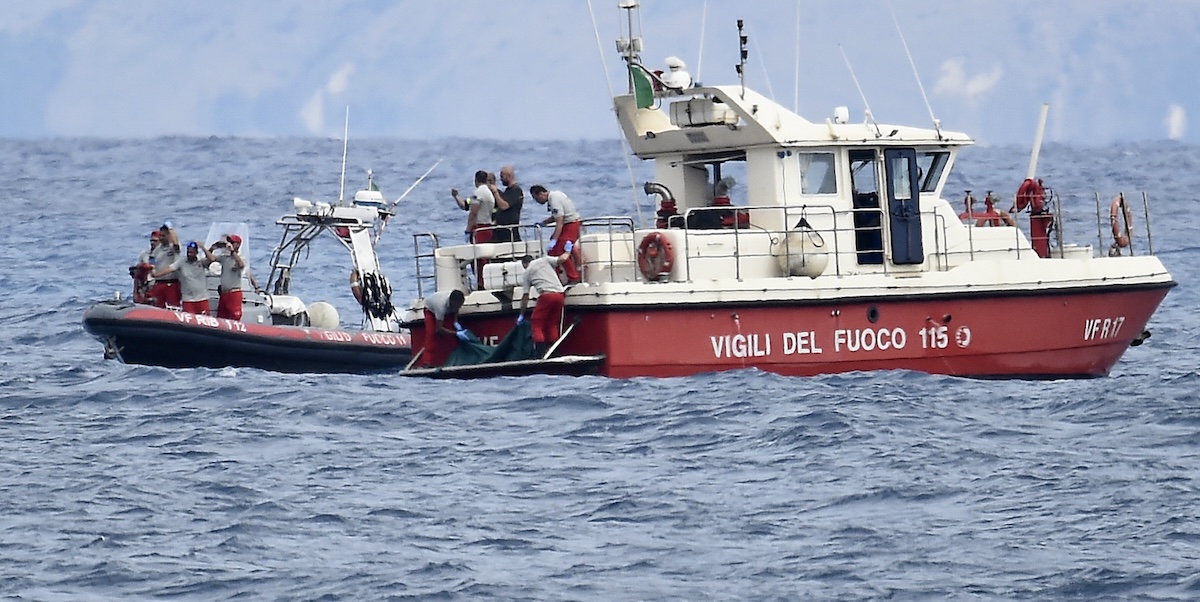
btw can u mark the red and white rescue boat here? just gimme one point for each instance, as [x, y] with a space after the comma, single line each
[277, 330]
[845, 256]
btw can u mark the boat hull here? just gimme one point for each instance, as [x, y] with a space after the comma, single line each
[140, 334]
[1078, 333]
[568, 365]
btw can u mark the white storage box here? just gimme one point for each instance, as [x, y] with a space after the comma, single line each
[701, 111]
[498, 276]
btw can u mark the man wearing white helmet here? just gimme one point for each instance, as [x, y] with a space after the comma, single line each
[676, 77]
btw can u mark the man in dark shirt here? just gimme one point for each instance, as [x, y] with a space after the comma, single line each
[508, 207]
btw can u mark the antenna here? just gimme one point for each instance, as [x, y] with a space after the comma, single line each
[345, 146]
[743, 55]
[870, 115]
[625, 47]
[703, 25]
[631, 47]
[796, 96]
[763, 65]
[937, 125]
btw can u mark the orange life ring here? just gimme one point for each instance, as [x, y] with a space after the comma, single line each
[655, 256]
[356, 286]
[1031, 194]
[1120, 239]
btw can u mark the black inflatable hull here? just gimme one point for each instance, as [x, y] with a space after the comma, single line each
[140, 334]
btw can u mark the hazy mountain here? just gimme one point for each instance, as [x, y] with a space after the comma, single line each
[530, 69]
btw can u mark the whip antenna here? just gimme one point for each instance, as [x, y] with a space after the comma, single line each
[937, 125]
[700, 59]
[345, 146]
[796, 96]
[870, 115]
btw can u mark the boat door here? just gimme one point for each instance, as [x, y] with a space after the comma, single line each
[868, 215]
[904, 210]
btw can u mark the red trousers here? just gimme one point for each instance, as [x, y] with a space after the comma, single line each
[230, 305]
[547, 315]
[196, 307]
[569, 232]
[166, 292]
[438, 345]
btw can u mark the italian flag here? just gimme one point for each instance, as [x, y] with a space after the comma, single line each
[643, 91]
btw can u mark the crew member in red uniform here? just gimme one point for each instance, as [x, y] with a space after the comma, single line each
[229, 305]
[479, 207]
[193, 278]
[566, 223]
[140, 271]
[165, 291]
[442, 330]
[541, 275]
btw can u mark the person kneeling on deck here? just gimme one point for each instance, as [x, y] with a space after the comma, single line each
[442, 331]
[192, 272]
[541, 274]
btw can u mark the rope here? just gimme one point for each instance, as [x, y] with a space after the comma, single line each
[376, 296]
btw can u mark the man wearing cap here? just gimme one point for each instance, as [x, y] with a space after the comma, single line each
[165, 291]
[193, 278]
[229, 305]
[566, 223]
[540, 275]
[140, 271]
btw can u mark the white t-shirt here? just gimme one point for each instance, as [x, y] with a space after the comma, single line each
[193, 278]
[561, 204]
[487, 204]
[438, 304]
[541, 276]
[231, 275]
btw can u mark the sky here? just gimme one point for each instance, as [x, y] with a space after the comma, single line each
[1112, 70]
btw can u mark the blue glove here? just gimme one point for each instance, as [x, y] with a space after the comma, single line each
[458, 327]
[570, 245]
[550, 246]
[462, 335]
[520, 319]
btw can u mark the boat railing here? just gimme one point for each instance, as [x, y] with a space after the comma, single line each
[457, 260]
[614, 247]
[862, 229]
[822, 220]
[425, 254]
[1125, 225]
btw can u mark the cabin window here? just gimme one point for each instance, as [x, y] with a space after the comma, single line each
[899, 173]
[930, 166]
[817, 175]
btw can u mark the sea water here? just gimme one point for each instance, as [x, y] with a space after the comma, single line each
[133, 482]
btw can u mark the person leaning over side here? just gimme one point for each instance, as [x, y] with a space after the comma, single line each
[165, 291]
[541, 275]
[566, 222]
[442, 330]
[508, 206]
[229, 304]
[193, 278]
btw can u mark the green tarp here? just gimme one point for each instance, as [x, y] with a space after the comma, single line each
[516, 345]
